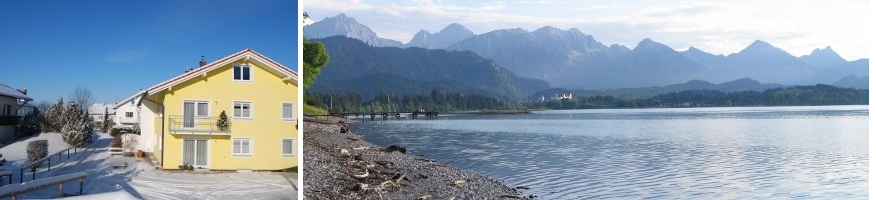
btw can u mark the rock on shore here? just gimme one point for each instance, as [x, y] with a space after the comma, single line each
[343, 166]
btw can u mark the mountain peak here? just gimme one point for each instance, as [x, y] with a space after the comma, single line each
[548, 29]
[455, 28]
[762, 48]
[825, 57]
[647, 42]
[344, 25]
[760, 44]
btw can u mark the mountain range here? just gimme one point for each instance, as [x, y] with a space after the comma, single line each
[368, 70]
[571, 59]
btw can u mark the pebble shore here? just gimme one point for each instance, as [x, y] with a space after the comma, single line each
[343, 166]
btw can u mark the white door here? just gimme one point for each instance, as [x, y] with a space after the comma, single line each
[195, 152]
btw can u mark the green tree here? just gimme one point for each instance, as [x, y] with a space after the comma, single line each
[315, 58]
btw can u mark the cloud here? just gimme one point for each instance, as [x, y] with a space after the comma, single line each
[123, 56]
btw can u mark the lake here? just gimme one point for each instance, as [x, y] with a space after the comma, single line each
[699, 153]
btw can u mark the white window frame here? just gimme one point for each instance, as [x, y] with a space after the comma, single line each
[198, 101]
[251, 147]
[126, 114]
[284, 155]
[251, 110]
[182, 150]
[241, 73]
[294, 114]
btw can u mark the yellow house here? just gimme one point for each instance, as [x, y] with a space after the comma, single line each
[258, 96]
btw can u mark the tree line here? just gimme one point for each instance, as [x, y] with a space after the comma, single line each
[791, 96]
[437, 101]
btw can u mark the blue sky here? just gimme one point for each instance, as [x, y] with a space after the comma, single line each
[115, 48]
[717, 26]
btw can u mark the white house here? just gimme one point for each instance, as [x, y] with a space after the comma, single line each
[97, 110]
[9, 119]
[128, 115]
[127, 111]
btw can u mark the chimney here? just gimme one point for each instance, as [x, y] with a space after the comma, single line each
[203, 62]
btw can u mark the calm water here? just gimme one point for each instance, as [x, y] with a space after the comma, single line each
[706, 153]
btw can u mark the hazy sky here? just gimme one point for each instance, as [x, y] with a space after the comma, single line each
[720, 27]
[115, 48]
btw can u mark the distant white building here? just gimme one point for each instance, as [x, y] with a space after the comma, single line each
[97, 110]
[558, 97]
[127, 111]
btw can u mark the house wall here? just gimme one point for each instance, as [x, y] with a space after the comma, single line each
[150, 127]
[7, 133]
[267, 129]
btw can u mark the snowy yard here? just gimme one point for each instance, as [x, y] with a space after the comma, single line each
[141, 180]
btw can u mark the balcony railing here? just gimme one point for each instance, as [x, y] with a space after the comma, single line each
[9, 120]
[129, 120]
[197, 126]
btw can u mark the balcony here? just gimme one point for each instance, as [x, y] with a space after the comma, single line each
[197, 126]
[9, 120]
[129, 120]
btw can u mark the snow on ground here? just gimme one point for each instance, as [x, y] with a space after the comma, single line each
[141, 180]
[117, 195]
[16, 152]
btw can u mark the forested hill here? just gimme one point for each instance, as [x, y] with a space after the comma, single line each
[367, 70]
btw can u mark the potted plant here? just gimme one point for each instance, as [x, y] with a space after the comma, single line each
[222, 123]
[186, 166]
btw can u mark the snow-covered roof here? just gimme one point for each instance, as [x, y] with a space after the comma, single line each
[283, 71]
[123, 102]
[98, 108]
[9, 92]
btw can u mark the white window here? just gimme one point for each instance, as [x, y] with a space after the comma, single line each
[241, 147]
[129, 114]
[288, 110]
[7, 110]
[203, 109]
[242, 73]
[242, 110]
[288, 148]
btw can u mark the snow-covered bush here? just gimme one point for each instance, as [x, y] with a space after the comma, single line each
[37, 150]
[30, 123]
[118, 131]
[77, 127]
[117, 141]
[53, 117]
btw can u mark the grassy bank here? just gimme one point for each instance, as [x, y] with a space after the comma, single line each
[313, 110]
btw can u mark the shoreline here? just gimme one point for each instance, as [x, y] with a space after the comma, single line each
[344, 166]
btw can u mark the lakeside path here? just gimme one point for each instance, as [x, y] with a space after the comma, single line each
[343, 166]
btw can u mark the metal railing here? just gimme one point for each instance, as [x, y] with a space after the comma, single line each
[197, 125]
[34, 185]
[48, 159]
[129, 120]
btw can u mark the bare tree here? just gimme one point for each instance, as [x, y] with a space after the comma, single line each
[43, 106]
[82, 97]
